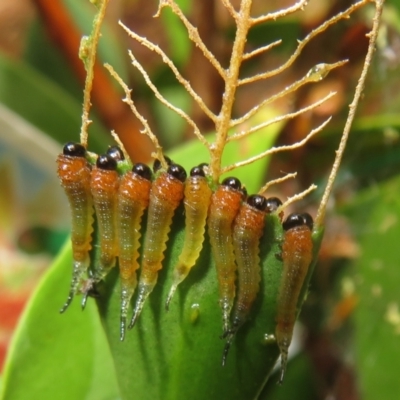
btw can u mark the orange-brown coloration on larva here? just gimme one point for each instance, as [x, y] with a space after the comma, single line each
[74, 174]
[133, 199]
[197, 197]
[104, 187]
[165, 195]
[224, 206]
[297, 256]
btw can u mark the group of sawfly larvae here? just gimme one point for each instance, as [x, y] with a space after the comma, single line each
[235, 225]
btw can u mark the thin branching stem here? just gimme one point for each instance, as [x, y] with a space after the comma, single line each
[296, 197]
[151, 46]
[193, 35]
[231, 83]
[291, 175]
[229, 7]
[278, 149]
[164, 101]
[304, 42]
[280, 118]
[319, 220]
[315, 74]
[128, 100]
[87, 52]
[279, 14]
[121, 145]
[260, 50]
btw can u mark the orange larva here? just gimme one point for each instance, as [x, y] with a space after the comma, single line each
[247, 231]
[165, 195]
[197, 197]
[133, 199]
[104, 186]
[224, 206]
[297, 256]
[74, 173]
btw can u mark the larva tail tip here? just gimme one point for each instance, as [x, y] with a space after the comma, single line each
[122, 329]
[169, 298]
[226, 351]
[133, 321]
[84, 300]
[67, 304]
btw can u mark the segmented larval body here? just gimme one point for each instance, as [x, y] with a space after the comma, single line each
[197, 197]
[74, 173]
[297, 256]
[104, 186]
[248, 229]
[224, 206]
[133, 199]
[165, 195]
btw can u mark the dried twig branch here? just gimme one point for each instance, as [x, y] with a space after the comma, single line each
[281, 13]
[260, 50]
[296, 197]
[305, 41]
[151, 46]
[278, 149]
[315, 74]
[278, 180]
[128, 100]
[319, 220]
[253, 129]
[87, 53]
[230, 9]
[193, 34]
[164, 101]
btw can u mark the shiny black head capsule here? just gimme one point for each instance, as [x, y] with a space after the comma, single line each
[142, 170]
[197, 171]
[157, 163]
[106, 162]
[257, 201]
[233, 183]
[116, 153]
[273, 203]
[293, 220]
[74, 150]
[308, 220]
[177, 171]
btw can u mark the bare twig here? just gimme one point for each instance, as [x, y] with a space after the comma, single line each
[164, 101]
[319, 220]
[193, 34]
[278, 149]
[87, 53]
[260, 50]
[305, 41]
[281, 13]
[278, 180]
[230, 9]
[151, 46]
[253, 129]
[128, 100]
[296, 197]
[315, 74]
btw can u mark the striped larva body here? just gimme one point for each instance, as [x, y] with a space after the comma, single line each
[248, 228]
[296, 256]
[165, 195]
[74, 173]
[224, 206]
[133, 199]
[197, 197]
[104, 186]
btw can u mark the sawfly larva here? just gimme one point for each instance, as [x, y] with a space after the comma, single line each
[133, 199]
[165, 195]
[74, 172]
[104, 187]
[197, 197]
[224, 206]
[297, 250]
[248, 228]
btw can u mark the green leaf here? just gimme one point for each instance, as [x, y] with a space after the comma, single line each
[58, 355]
[44, 104]
[376, 277]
